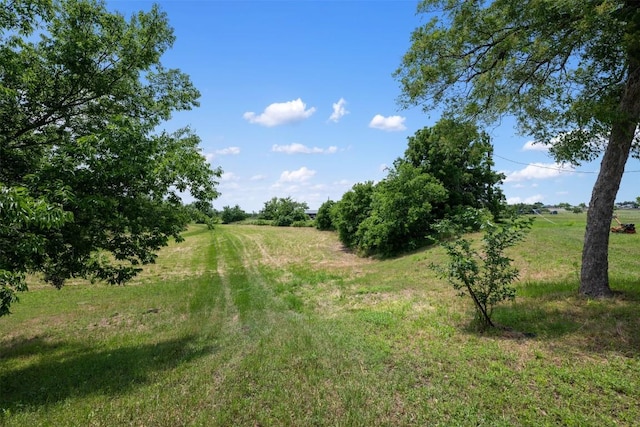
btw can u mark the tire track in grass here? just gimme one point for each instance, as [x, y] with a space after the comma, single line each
[245, 286]
[276, 364]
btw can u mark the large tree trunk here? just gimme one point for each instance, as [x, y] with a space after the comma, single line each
[594, 278]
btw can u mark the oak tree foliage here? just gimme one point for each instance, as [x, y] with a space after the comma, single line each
[568, 71]
[89, 183]
[284, 211]
[445, 170]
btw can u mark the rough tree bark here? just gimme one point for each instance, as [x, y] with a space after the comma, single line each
[594, 278]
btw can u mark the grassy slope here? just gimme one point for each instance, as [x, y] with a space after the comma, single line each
[278, 326]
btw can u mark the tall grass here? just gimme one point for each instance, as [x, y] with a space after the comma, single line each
[252, 325]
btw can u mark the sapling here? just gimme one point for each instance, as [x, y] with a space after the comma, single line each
[485, 275]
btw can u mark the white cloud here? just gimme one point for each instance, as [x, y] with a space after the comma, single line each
[526, 200]
[296, 148]
[339, 110]
[281, 113]
[534, 146]
[391, 123]
[301, 175]
[258, 178]
[228, 150]
[538, 171]
[229, 176]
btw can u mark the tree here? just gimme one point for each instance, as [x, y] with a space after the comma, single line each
[202, 212]
[569, 71]
[89, 186]
[402, 211]
[460, 157]
[353, 208]
[284, 211]
[232, 214]
[484, 275]
[324, 218]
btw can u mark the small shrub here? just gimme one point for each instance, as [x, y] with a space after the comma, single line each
[485, 275]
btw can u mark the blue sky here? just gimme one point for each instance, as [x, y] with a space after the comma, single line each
[298, 100]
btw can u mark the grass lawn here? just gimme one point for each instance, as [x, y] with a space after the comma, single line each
[261, 326]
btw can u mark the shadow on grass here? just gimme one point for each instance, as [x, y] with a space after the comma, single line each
[66, 370]
[554, 311]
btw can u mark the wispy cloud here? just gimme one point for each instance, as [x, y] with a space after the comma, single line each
[297, 176]
[281, 113]
[538, 171]
[229, 176]
[296, 148]
[339, 110]
[527, 200]
[390, 124]
[228, 151]
[258, 177]
[534, 146]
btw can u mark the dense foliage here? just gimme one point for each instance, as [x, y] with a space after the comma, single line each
[202, 212]
[569, 71]
[284, 211]
[88, 184]
[445, 170]
[232, 214]
[350, 211]
[324, 219]
[402, 211]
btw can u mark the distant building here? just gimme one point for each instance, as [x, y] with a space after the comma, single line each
[312, 213]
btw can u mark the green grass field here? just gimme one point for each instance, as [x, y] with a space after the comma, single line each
[266, 326]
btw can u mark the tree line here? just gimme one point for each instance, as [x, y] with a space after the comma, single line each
[445, 173]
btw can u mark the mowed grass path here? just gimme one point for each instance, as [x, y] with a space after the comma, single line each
[247, 326]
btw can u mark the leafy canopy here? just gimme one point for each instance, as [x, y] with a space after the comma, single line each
[89, 186]
[284, 211]
[445, 170]
[558, 66]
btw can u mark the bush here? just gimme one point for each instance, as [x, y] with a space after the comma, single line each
[284, 211]
[232, 214]
[485, 275]
[324, 218]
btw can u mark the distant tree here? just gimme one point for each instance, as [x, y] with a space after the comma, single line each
[201, 213]
[631, 203]
[270, 209]
[284, 211]
[352, 209]
[324, 217]
[89, 184]
[569, 71]
[232, 214]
